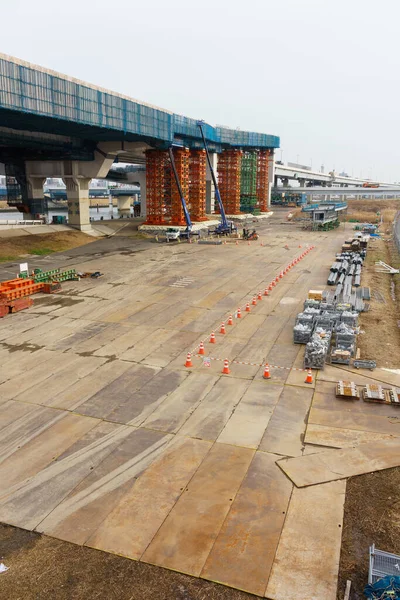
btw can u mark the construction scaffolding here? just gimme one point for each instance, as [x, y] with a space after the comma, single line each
[229, 176]
[197, 185]
[248, 183]
[158, 186]
[181, 158]
[263, 157]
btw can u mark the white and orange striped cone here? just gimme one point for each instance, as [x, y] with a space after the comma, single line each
[299, 245]
[239, 314]
[309, 378]
[222, 329]
[248, 243]
[226, 370]
[188, 362]
[237, 242]
[273, 283]
[201, 348]
[277, 279]
[247, 309]
[270, 287]
[287, 247]
[230, 320]
[254, 301]
[267, 374]
[212, 338]
[266, 292]
[262, 244]
[259, 297]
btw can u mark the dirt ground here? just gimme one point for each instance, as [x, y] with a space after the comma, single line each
[381, 340]
[13, 248]
[86, 574]
[371, 515]
[365, 211]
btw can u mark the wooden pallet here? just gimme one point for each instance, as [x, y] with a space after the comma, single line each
[347, 390]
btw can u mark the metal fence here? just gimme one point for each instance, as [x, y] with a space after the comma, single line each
[396, 230]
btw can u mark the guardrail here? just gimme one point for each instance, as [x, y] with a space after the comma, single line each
[17, 222]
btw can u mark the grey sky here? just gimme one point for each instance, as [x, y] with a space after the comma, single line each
[324, 76]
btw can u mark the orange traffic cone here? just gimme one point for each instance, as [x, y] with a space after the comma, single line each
[254, 301]
[267, 374]
[212, 338]
[266, 292]
[277, 279]
[259, 297]
[239, 314]
[237, 243]
[226, 370]
[248, 243]
[270, 287]
[188, 362]
[281, 275]
[299, 245]
[230, 320]
[273, 283]
[201, 348]
[222, 330]
[262, 244]
[309, 378]
[248, 309]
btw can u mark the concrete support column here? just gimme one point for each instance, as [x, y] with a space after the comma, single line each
[124, 206]
[78, 202]
[210, 191]
[36, 201]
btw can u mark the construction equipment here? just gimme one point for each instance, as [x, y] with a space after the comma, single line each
[225, 227]
[171, 232]
[249, 235]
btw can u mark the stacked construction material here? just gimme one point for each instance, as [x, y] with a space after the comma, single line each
[181, 158]
[197, 185]
[317, 349]
[263, 159]
[248, 184]
[12, 306]
[229, 173]
[22, 287]
[158, 183]
[302, 333]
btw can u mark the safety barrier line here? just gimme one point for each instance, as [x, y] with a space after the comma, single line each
[241, 308]
[240, 362]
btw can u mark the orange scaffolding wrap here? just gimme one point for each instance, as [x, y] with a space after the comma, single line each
[197, 185]
[157, 186]
[262, 179]
[229, 176]
[181, 158]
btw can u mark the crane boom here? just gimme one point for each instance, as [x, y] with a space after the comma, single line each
[178, 185]
[225, 223]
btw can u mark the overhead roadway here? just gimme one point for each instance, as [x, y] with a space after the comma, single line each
[342, 192]
[285, 173]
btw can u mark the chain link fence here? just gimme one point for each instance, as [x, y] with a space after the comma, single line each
[396, 231]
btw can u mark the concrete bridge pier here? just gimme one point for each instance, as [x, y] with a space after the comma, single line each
[210, 191]
[124, 205]
[78, 202]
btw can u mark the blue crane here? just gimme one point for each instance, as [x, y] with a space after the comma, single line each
[225, 227]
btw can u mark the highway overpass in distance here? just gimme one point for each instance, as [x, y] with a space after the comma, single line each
[342, 193]
[286, 173]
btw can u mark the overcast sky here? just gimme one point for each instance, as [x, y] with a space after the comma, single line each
[324, 76]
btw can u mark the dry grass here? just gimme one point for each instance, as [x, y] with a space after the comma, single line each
[14, 247]
[43, 568]
[371, 515]
[365, 211]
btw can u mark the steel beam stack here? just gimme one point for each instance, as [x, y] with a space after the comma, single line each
[248, 184]
[181, 158]
[197, 184]
[262, 179]
[229, 175]
[157, 185]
